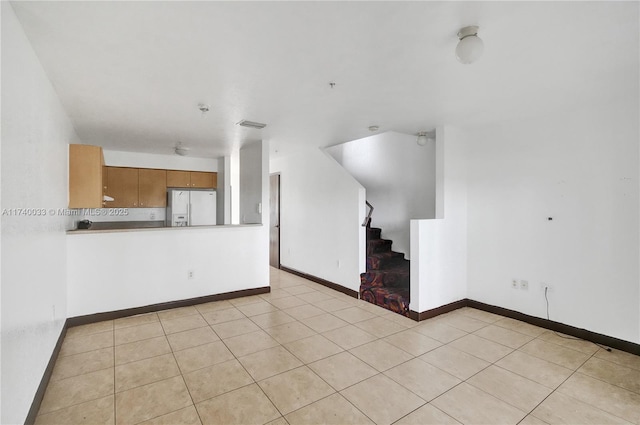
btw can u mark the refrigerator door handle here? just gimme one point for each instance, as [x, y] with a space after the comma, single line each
[189, 214]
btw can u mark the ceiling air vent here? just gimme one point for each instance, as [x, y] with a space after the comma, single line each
[252, 124]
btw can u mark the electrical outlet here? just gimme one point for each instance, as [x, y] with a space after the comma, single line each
[514, 283]
[544, 285]
[524, 285]
[338, 263]
[190, 274]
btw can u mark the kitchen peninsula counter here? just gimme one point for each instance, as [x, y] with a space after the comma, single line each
[117, 269]
[116, 227]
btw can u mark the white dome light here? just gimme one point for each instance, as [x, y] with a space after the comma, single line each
[425, 137]
[181, 150]
[470, 47]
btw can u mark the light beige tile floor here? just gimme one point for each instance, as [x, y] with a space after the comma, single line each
[305, 354]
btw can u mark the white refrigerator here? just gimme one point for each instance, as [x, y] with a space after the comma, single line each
[191, 208]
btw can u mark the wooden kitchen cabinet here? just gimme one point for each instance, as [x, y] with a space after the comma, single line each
[152, 188]
[129, 187]
[178, 178]
[203, 180]
[122, 186]
[85, 176]
[104, 181]
[192, 179]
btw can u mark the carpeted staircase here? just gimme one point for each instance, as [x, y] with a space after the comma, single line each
[386, 281]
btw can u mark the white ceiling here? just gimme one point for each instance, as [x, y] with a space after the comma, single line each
[131, 74]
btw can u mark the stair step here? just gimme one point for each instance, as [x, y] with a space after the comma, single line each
[386, 283]
[373, 233]
[396, 278]
[393, 299]
[378, 245]
[384, 260]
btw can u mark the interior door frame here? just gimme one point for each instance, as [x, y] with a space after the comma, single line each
[279, 186]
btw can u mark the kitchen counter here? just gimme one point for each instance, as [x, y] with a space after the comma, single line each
[117, 225]
[136, 226]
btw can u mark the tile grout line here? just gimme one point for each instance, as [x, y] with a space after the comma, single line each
[558, 387]
[377, 371]
[427, 403]
[525, 377]
[478, 372]
[479, 389]
[298, 367]
[303, 364]
[181, 376]
[602, 380]
[518, 349]
[252, 378]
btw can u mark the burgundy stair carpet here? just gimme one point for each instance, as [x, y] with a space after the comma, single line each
[386, 281]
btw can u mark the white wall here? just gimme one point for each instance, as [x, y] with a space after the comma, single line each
[399, 176]
[118, 270]
[581, 169]
[35, 134]
[167, 162]
[321, 212]
[439, 246]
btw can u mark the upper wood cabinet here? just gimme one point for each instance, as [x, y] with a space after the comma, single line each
[85, 176]
[195, 179]
[122, 186]
[104, 181]
[204, 180]
[90, 180]
[152, 188]
[136, 187]
[178, 178]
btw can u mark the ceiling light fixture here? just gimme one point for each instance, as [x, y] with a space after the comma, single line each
[425, 136]
[374, 128]
[470, 46]
[203, 108]
[181, 150]
[252, 124]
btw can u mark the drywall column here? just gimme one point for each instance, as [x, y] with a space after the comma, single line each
[251, 202]
[221, 191]
[266, 210]
[227, 189]
[439, 246]
[234, 185]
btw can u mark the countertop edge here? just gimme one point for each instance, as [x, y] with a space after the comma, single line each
[159, 229]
